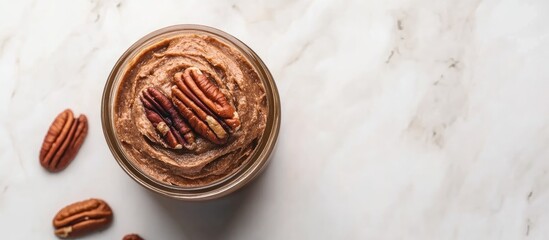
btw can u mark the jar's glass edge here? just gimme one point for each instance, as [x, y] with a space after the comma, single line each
[253, 170]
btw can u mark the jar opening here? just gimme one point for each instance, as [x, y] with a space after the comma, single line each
[249, 168]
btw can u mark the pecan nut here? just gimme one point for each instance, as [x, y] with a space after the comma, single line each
[132, 236]
[63, 140]
[204, 106]
[167, 122]
[82, 217]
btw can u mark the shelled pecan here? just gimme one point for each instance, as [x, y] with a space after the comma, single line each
[63, 140]
[82, 217]
[132, 236]
[204, 106]
[163, 116]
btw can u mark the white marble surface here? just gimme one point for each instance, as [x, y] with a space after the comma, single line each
[401, 119]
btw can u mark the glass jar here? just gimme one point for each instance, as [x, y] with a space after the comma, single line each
[245, 173]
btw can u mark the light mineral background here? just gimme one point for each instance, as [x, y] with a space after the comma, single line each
[400, 119]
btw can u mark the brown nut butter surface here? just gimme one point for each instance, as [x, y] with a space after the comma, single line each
[154, 143]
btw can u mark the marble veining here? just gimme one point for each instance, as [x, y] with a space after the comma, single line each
[401, 119]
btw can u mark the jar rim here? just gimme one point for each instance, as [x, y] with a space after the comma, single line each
[259, 157]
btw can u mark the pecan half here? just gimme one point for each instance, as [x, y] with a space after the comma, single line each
[82, 217]
[204, 106]
[132, 236]
[163, 116]
[63, 140]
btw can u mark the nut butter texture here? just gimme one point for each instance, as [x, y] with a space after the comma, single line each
[207, 145]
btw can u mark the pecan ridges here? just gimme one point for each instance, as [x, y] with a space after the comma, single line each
[166, 120]
[204, 106]
[63, 140]
[81, 218]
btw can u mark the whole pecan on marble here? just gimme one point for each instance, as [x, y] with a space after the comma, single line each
[63, 140]
[132, 236]
[204, 106]
[82, 217]
[167, 122]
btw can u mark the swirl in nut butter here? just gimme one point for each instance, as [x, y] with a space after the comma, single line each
[190, 110]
